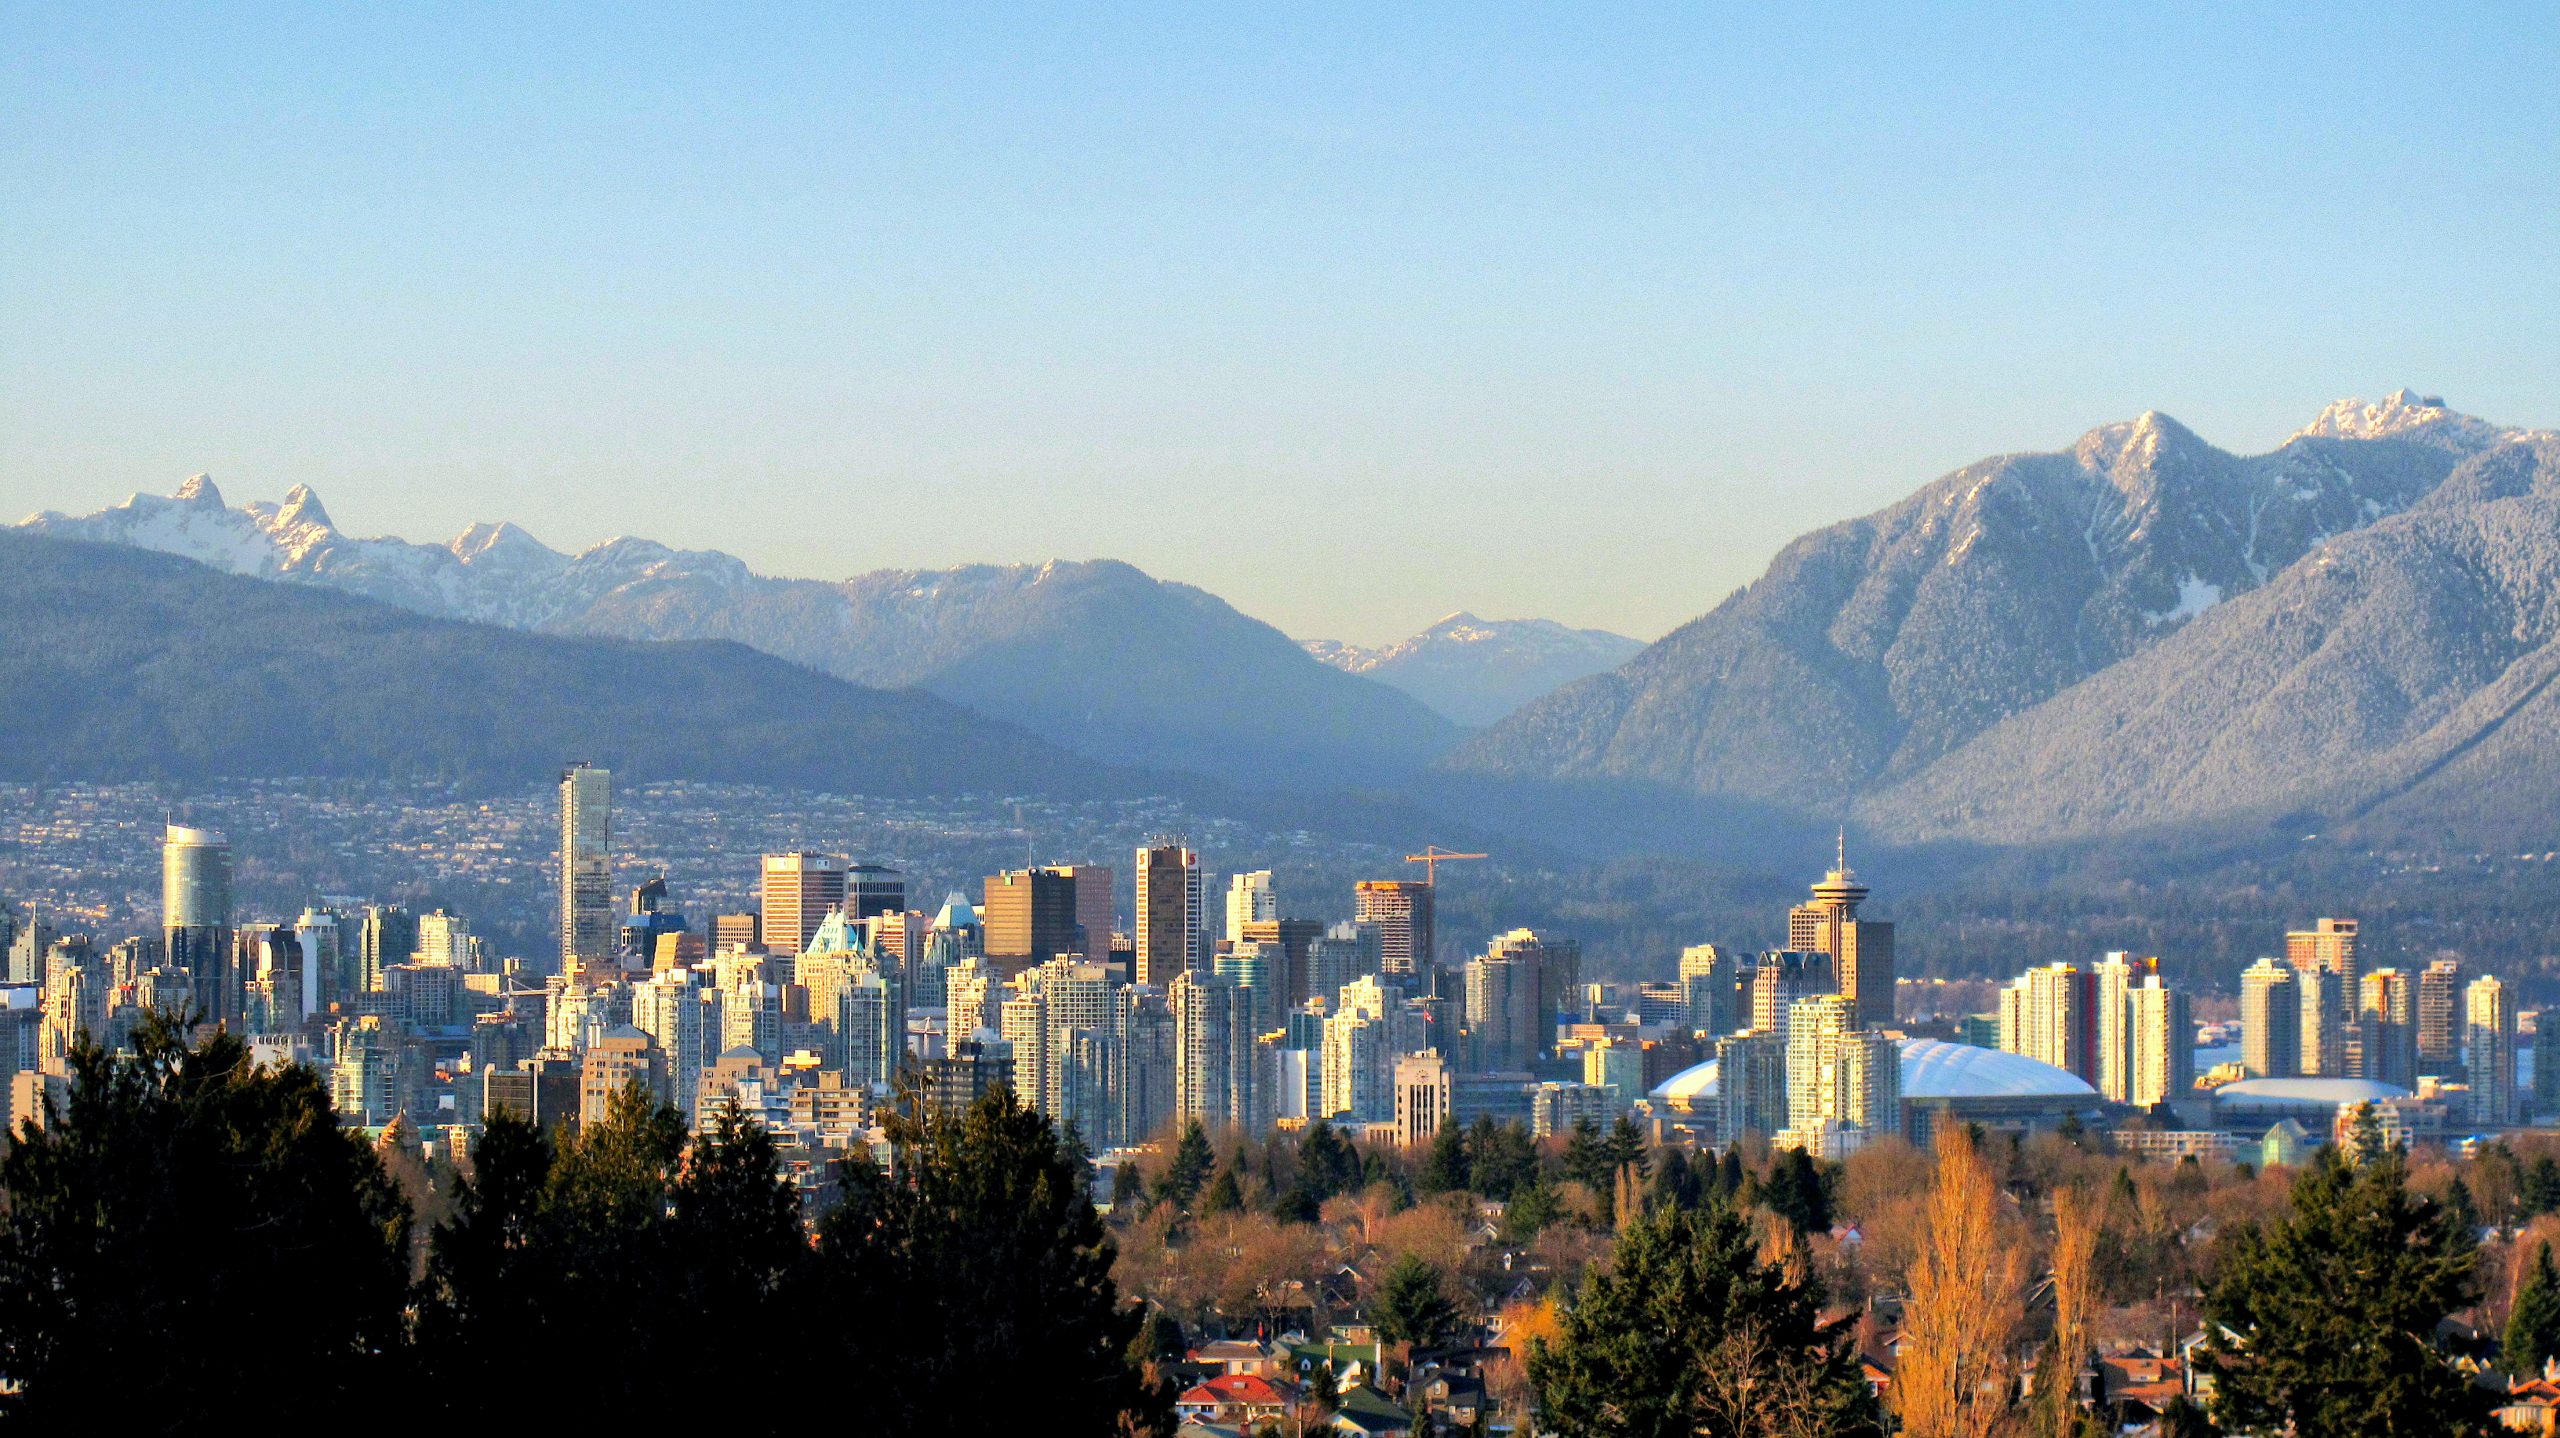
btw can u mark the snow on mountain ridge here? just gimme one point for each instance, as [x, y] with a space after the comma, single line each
[1095, 653]
[2406, 414]
[1477, 670]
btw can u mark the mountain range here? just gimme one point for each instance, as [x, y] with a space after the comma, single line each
[2141, 633]
[1096, 655]
[2141, 637]
[125, 664]
[1478, 670]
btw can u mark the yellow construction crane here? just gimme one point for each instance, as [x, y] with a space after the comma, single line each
[1431, 858]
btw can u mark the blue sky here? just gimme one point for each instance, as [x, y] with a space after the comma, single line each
[1354, 316]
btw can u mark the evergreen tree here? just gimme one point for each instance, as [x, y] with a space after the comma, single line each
[1128, 1189]
[2533, 1323]
[189, 1238]
[605, 1224]
[737, 1250]
[1189, 1169]
[1327, 1163]
[1413, 1308]
[981, 1269]
[2334, 1309]
[1686, 1331]
[1444, 1168]
[1225, 1195]
[1627, 1148]
[1675, 1184]
[489, 1285]
[2542, 1187]
[1730, 1177]
[1586, 1157]
[1528, 1213]
[1161, 1338]
[1795, 1192]
[1375, 1170]
[1502, 1160]
[2461, 1210]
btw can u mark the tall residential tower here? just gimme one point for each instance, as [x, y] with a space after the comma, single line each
[586, 868]
[195, 916]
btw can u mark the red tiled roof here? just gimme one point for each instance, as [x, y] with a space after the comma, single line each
[1248, 1389]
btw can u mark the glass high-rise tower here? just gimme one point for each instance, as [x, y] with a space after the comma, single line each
[586, 868]
[195, 916]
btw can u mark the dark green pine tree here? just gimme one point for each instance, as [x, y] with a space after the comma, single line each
[1730, 1177]
[738, 1250]
[2542, 1187]
[1327, 1163]
[1586, 1157]
[606, 1225]
[490, 1283]
[2461, 1209]
[1128, 1189]
[976, 1267]
[1189, 1169]
[2533, 1325]
[1501, 1160]
[1686, 1331]
[1674, 1185]
[1627, 1149]
[2323, 1322]
[1444, 1168]
[1529, 1212]
[1224, 1194]
[1795, 1191]
[1413, 1309]
[185, 1227]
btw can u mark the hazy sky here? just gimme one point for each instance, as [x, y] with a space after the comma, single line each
[1353, 316]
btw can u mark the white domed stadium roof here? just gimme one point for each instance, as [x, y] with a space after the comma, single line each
[1934, 1068]
[1695, 1082]
[1931, 1069]
[2307, 1091]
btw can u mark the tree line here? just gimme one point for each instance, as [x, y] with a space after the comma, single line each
[192, 1240]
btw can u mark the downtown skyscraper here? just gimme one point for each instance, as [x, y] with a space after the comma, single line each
[1861, 950]
[195, 917]
[586, 869]
[1401, 909]
[795, 894]
[1170, 912]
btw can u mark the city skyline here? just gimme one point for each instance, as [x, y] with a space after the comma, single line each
[1153, 720]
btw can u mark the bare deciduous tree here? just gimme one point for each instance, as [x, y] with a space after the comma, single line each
[2077, 1222]
[1958, 1373]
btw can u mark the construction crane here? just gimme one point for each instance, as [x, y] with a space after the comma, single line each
[1432, 856]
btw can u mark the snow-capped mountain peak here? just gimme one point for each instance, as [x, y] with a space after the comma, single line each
[302, 506]
[200, 492]
[503, 540]
[2405, 414]
[1477, 670]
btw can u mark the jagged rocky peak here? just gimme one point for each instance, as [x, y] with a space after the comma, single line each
[2110, 447]
[302, 506]
[2405, 414]
[200, 492]
[503, 538]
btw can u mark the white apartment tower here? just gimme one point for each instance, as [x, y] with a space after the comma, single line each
[1250, 900]
[2164, 1064]
[2270, 1020]
[2489, 1046]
